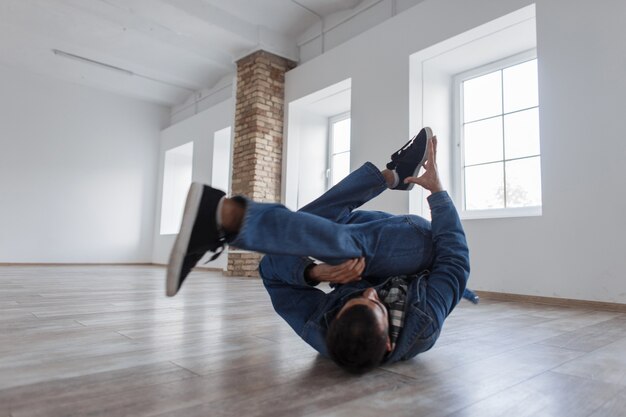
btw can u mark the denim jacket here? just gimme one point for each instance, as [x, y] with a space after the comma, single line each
[431, 296]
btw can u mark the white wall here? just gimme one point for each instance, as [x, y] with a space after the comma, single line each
[77, 172]
[200, 130]
[574, 250]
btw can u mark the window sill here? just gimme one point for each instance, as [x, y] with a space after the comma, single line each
[501, 213]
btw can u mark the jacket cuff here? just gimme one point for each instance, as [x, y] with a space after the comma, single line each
[439, 199]
[309, 281]
[301, 272]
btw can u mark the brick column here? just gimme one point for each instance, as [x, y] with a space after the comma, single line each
[258, 143]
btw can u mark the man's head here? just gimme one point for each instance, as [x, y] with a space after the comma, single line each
[358, 337]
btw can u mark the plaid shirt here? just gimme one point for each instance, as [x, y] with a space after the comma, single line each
[393, 295]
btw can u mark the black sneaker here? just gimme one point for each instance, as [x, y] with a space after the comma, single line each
[198, 234]
[408, 160]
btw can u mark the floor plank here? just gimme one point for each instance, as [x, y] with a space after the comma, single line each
[612, 408]
[607, 364]
[105, 341]
[549, 394]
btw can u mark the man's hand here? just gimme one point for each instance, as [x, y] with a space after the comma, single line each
[343, 273]
[429, 179]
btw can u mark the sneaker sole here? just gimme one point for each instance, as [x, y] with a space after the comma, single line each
[181, 244]
[429, 136]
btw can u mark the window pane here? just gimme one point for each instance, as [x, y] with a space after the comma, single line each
[520, 86]
[220, 177]
[341, 136]
[523, 182]
[482, 97]
[521, 134]
[483, 141]
[484, 187]
[340, 167]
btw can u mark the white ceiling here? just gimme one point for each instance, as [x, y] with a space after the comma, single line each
[169, 48]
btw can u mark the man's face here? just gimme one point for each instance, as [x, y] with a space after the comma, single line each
[370, 299]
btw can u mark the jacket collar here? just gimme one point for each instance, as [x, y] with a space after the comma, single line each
[415, 320]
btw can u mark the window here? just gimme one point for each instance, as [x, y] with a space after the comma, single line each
[176, 181]
[499, 139]
[220, 177]
[308, 155]
[339, 148]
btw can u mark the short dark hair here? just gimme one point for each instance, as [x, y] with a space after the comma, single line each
[355, 340]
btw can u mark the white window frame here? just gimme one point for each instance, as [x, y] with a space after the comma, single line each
[458, 159]
[331, 121]
[163, 229]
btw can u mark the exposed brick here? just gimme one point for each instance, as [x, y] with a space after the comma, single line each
[257, 150]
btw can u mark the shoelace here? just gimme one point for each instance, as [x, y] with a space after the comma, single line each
[404, 148]
[219, 251]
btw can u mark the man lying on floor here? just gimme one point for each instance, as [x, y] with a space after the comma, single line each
[396, 277]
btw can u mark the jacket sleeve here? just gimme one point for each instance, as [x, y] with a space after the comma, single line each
[450, 268]
[293, 299]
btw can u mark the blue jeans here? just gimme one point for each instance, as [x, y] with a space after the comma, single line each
[329, 230]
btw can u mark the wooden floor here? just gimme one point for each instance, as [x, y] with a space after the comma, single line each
[104, 340]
